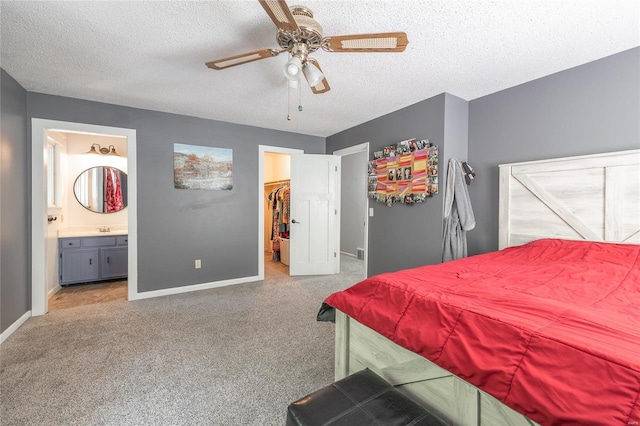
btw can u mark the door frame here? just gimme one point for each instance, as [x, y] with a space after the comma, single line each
[262, 149]
[362, 147]
[39, 128]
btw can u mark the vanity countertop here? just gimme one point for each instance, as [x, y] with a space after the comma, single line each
[68, 233]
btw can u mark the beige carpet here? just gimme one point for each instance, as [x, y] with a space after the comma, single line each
[230, 356]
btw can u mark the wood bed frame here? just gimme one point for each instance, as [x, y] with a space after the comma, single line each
[595, 197]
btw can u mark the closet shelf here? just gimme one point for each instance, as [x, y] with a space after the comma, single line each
[277, 182]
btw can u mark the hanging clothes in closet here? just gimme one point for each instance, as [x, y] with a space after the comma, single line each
[279, 199]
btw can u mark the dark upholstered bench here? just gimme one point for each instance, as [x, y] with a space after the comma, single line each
[363, 398]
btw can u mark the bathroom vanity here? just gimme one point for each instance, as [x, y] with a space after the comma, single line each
[88, 258]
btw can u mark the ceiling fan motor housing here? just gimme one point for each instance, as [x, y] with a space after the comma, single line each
[309, 33]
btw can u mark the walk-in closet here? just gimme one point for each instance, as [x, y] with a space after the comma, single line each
[277, 173]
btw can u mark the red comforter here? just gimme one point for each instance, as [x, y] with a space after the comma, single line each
[550, 328]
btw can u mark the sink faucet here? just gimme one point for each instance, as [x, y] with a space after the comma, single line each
[104, 229]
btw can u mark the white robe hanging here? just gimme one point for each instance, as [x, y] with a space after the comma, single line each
[458, 214]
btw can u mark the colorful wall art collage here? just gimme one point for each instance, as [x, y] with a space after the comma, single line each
[405, 173]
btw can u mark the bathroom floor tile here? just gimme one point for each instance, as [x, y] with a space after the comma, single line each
[86, 294]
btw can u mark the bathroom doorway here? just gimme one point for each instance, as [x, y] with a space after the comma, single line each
[87, 199]
[74, 221]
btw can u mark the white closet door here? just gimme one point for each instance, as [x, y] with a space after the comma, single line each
[315, 224]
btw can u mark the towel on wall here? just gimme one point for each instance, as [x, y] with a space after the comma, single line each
[458, 213]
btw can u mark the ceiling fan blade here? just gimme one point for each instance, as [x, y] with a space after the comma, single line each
[279, 12]
[321, 87]
[380, 42]
[220, 64]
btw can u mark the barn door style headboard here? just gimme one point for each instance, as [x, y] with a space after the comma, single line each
[592, 197]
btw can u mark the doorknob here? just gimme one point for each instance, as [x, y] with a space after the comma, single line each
[294, 221]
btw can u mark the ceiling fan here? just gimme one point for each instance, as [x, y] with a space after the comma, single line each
[299, 34]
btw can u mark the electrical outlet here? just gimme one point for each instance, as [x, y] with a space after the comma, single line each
[198, 264]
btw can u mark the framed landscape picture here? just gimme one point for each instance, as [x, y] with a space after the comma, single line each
[202, 167]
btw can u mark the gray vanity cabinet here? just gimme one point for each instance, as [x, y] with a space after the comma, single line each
[79, 265]
[114, 262]
[87, 259]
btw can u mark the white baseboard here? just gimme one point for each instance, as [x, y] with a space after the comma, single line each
[53, 291]
[195, 287]
[13, 327]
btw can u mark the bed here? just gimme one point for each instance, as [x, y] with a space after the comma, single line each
[546, 330]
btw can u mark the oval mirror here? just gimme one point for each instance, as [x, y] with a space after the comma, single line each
[102, 189]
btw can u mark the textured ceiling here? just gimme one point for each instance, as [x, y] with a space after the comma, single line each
[151, 55]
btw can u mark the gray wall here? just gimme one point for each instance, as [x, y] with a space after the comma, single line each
[175, 227]
[589, 109]
[14, 184]
[401, 236]
[353, 202]
[456, 129]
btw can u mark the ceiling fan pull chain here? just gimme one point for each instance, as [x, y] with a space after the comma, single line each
[288, 102]
[299, 97]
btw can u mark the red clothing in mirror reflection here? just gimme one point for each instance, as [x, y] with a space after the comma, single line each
[114, 190]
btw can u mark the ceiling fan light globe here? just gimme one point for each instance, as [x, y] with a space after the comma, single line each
[293, 68]
[313, 74]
